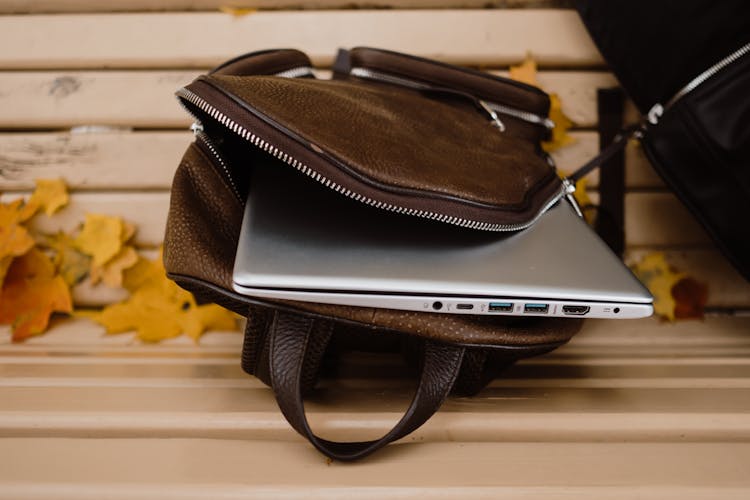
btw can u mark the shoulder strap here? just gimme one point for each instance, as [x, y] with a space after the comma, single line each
[295, 336]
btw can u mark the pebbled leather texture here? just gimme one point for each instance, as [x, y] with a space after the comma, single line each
[287, 343]
[292, 335]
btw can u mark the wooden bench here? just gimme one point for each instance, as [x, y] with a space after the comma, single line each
[628, 409]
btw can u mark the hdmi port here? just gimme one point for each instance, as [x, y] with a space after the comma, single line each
[576, 310]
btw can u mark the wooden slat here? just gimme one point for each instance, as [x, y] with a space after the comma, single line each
[145, 99]
[184, 468]
[147, 160]
[92, 161]
[495, 37]
[48, 6]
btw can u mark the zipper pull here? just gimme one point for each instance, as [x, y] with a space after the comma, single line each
[494, 119]
[654, 114]
[197, 128]
[570, 189]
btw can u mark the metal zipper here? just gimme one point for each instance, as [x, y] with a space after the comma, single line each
[296, 72]
[488, 106]
[200, 134]
[658, 109]
[257, 141]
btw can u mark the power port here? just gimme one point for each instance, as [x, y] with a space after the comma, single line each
[437, 305]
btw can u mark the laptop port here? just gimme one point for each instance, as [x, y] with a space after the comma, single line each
[465, 307]
[501, 307]
[536, 308]
[576, 310]
[437, 305]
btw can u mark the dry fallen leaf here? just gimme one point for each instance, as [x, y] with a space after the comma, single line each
[690, 297]
[100, 237]
[675, 294]
[237, 11]
[50, 195]
[71, 264]
[111, 273]
[31, 293]
[560, 136]
[158, 309]
[526, 72]
[15, 239]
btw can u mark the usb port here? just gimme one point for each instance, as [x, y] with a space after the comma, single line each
[576, 310]
[501, 306]
[465, 307]
[536, 308]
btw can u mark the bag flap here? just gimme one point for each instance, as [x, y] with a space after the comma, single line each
[433, 154]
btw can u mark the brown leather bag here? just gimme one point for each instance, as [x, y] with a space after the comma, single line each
[403, 134]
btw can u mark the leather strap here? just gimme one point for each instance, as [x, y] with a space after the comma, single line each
[293, 336]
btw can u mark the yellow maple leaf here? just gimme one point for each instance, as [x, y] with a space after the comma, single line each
[111, 273]
[50, 195]
[31, 293]
[158, 309]
[560, 136]
[526, 72]
[101, 237]
[659, 277]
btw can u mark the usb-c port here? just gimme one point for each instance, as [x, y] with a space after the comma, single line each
[465, 307]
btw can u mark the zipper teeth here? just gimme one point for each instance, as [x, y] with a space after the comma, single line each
[207, 141]
[522, 115]
[238, 129]
[296, 72]
[500, 108]
[698, 80]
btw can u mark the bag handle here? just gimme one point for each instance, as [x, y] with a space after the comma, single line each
[293, 336]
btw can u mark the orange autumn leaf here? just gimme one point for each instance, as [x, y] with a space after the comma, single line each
[31, 293]
[158, 309]
[676, 296]
[691, 297]
[15, 239]
[526, 72]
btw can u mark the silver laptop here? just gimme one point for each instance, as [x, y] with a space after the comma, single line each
[302, 241]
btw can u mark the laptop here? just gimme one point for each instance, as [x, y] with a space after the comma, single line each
[302, 241]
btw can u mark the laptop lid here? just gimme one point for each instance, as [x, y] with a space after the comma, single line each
[302, 241]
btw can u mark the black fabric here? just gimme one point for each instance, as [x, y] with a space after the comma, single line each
[701, 148]
[656, 47]
[700, 145]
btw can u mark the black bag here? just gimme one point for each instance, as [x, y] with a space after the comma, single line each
[686, 65]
